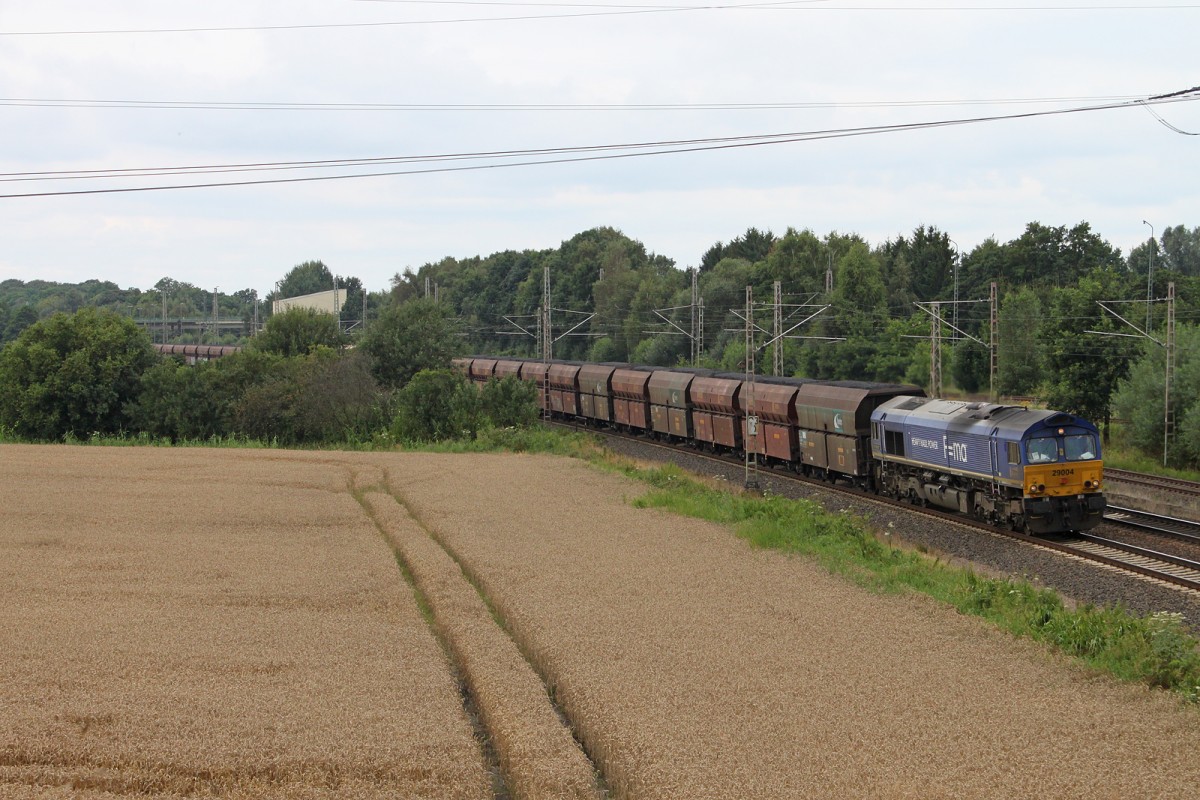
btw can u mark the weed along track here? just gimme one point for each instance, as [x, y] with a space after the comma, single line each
[537, 754]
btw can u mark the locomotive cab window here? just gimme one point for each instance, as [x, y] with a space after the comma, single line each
[1042, 451]
[893, 442]
[1081, 447]
[1014, 453]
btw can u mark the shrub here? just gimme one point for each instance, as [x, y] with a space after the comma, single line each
[436, 405]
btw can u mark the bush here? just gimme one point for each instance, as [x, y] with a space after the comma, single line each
[434, 406]
[72, 374]
[509, 402]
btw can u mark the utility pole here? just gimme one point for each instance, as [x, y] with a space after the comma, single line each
[1168, 411]
[547, 337]
[829, 276]
[957, 258]
[216, 311]
[1150, 276]
[935, 351]
[751, 480]
[426, 287]
[695, 316]
[993, 340]
[1168, 345]
[164, 325]
[777, 349]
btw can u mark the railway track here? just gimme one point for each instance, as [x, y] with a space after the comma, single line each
[1183, 529]
[1149, 563]
[1163, 567]
[1177, 485]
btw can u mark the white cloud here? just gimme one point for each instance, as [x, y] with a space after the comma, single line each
[1112, 169]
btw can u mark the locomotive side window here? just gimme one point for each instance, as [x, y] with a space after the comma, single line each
[1081, 447]
[1042, 451]
[893, 442]
[1014, 453]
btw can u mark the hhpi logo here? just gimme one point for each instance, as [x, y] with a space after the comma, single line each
[837, 421]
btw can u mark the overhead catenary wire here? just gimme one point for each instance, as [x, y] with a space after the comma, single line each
[609, 11]
[561, 155]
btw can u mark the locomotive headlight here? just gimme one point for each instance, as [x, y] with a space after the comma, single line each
[1036, 488]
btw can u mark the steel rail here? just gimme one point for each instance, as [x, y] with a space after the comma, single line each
[1155, 523]
[1153, 481]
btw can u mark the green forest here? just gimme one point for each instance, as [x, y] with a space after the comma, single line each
[612, 300]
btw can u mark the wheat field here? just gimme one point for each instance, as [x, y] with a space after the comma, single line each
[694, 666]
[213, 623]
[225, 623]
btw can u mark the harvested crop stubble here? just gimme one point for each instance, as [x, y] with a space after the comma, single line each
[694, 666]
[536, 751]
[213, 622]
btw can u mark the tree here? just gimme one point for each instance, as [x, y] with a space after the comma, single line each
[1021, 363]
[299, 331]
[18, 321]
[73, 374]
[307, 278]
[1181, 249]
[1139, 399]
[1083, 368]
[420, 334]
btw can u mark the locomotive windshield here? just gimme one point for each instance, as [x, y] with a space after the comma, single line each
[1042, 451]
[1081, 447]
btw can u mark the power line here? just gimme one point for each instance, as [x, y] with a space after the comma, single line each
[562, 155]
[202, 105]
[610, 10]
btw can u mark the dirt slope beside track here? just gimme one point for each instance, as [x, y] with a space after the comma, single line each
[693, 666]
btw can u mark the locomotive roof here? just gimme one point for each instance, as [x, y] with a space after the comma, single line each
[959, 414]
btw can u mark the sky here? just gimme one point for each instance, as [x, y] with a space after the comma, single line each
[490, 87]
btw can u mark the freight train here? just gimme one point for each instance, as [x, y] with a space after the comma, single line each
[1031, 470]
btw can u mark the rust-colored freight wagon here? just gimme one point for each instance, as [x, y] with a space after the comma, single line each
[595, 391]
[773, 402]
[506, 368]
[536, 371]
[483, 369]
[715, 410]
[462, 366]
[834, 421]
[564, 388]
[669, 406]
[631, 398]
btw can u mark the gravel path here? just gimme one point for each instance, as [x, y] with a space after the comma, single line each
[693, 666]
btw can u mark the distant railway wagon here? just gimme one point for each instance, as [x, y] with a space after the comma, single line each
[191, 353]
[563, 379]
[1032, 470]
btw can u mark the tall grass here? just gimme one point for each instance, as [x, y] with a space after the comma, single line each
[1156, 650]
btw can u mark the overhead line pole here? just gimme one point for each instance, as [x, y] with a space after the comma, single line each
[1168, 345]
[751, 416]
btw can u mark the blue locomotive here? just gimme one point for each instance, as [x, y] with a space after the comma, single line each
[1032, 470]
